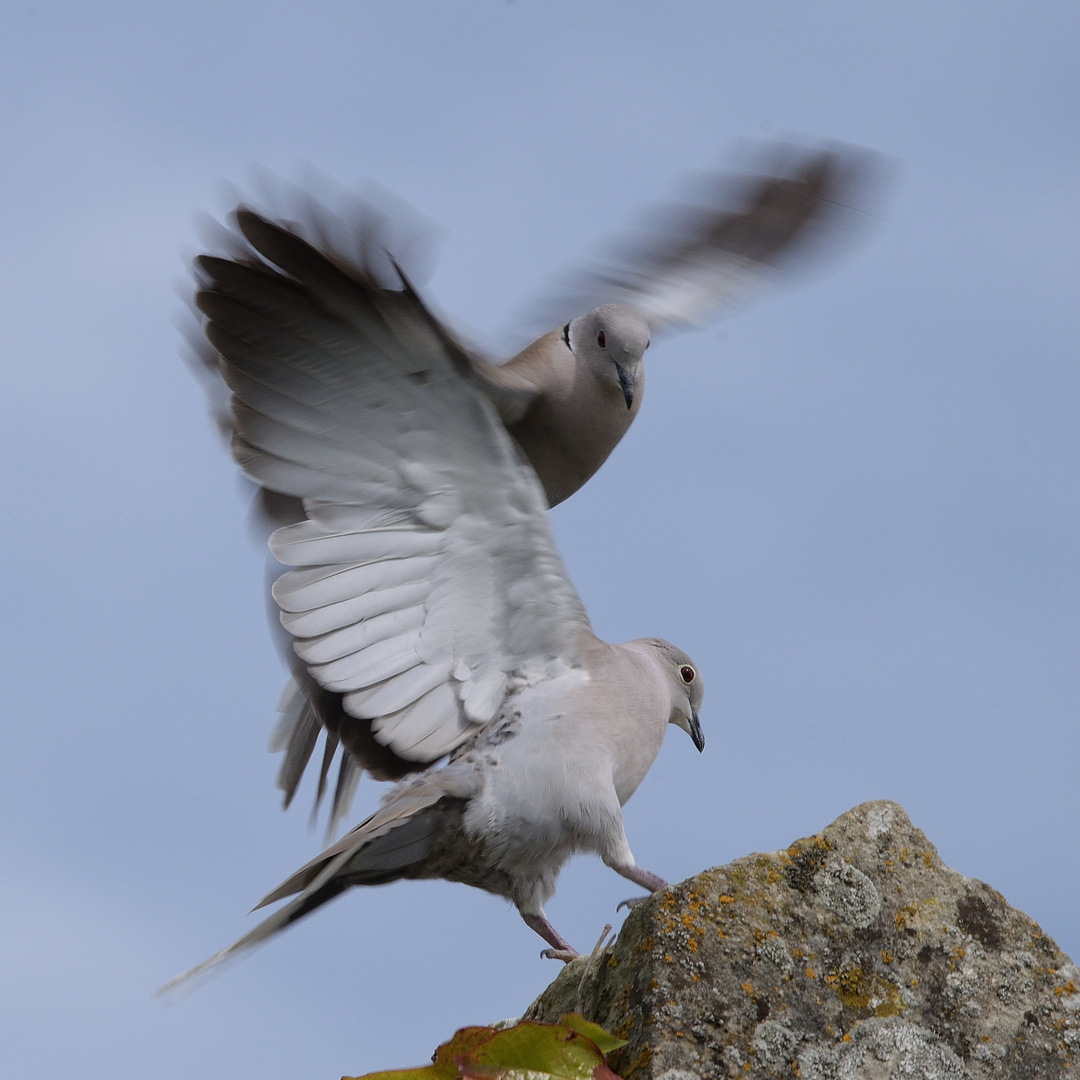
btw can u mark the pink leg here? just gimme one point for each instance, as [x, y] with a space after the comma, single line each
[641, 877]
[562, 949]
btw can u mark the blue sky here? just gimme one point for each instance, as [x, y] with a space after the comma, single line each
[854, 503]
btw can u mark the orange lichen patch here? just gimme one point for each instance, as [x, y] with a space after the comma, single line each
[691, 944]
[725, 899]
[612, 962]
[887, 957]
[668, 958]
[748, 988]
[857, 990]
[847, 1037]
[810, 974]
[928, 858]
[1068, 989]
[654, 985]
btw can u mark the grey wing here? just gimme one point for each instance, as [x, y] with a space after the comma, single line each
[688, 263]
[424, 567]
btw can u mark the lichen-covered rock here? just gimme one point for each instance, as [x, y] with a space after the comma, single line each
[855, 954]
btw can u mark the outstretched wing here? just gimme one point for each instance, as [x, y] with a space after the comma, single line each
[424, 571]
[689, 263]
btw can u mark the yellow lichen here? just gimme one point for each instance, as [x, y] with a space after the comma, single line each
[639, 1062]
[857, 990]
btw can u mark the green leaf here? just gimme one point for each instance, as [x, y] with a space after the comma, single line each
[552, 1048]
[605, 1041]
[530, 1050]
[464, 1044]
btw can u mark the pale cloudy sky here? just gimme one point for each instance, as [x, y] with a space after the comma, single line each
[854, 503]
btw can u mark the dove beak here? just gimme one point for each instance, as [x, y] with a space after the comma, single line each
[696, 733]
[627, 378]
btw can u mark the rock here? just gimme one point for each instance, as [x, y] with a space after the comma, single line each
[855, 954]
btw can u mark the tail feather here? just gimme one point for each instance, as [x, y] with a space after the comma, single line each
[391, 842]
[285, 916]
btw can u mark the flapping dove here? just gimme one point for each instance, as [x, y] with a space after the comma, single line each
[427, 595]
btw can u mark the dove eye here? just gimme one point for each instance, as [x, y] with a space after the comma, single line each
[687, 673]
[601, 340]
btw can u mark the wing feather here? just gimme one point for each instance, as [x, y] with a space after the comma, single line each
[323, 587]
[424, 573]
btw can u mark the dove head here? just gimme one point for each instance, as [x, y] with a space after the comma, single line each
[684, 683]
[611, 340]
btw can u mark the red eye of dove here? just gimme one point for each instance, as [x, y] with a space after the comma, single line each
[687, 673]
[601, 340]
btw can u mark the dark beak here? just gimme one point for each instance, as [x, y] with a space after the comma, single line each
[626, 381]
[696, 733]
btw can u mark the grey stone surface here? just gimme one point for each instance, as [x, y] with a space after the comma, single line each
[855, 954]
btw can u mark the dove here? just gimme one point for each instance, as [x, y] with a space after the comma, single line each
[567, 398]
[425, 591]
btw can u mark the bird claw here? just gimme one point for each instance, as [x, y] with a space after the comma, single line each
[565, 955]
[632, 903]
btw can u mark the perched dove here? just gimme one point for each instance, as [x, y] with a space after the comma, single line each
[569, 397]
[427, 594]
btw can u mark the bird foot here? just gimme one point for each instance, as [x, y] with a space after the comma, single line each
[565, 955]
[632, 903]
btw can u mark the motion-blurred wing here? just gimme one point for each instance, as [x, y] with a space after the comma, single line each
[424, 571]
[691, 263]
